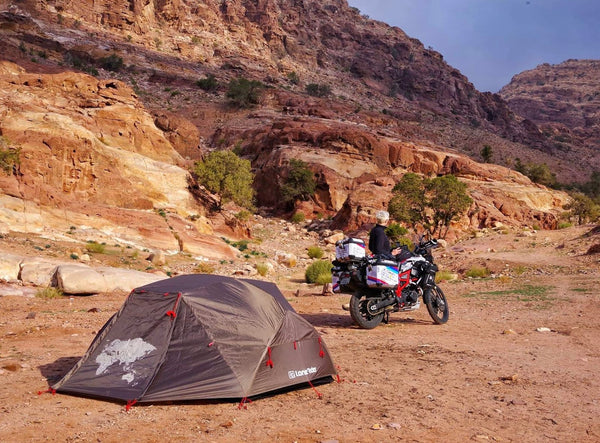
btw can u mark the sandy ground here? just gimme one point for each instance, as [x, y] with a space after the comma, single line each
[489, 374]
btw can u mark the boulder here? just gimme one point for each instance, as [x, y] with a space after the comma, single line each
[10, 266]
[81, 279]
[37, 272]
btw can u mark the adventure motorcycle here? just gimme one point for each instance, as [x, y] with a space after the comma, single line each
[380, 286]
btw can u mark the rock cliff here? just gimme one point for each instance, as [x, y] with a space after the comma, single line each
[114, 147]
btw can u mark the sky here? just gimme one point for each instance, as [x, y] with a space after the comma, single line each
[490, 41]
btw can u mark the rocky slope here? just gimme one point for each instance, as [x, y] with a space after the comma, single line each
[111, 151]
[564, 100]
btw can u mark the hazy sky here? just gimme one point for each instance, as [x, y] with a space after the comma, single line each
[489, 41]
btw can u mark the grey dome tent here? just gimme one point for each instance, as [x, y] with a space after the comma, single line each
[195, 337]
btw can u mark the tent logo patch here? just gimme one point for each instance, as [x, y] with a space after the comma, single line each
[301, 373]
[123, 353]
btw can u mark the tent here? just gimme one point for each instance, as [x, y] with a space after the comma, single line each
[195, 337]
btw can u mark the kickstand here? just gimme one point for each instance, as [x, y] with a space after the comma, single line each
[386, 317]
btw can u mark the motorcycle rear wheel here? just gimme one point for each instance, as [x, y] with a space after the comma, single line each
[437, 306]
[359, 311]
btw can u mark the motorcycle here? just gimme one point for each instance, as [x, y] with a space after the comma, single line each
[381, 286]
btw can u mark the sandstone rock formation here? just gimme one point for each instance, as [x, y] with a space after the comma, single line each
[564, 100]
[109, 153]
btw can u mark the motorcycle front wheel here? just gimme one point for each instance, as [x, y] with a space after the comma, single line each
[359, 311]
[437, 306]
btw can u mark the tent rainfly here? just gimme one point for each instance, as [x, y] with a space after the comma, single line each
[195, 337]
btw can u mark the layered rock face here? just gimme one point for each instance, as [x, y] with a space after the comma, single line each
[91, 154]
[564, 100]
[101, 149]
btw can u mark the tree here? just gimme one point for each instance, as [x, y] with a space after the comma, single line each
[300, 183]
[540, 173]
[592, 187]
[582, 208]
[448, 201]
[408, 201]
[228, 176]
[486, 153]
[208, 83]
[244, 93]
[318, 90]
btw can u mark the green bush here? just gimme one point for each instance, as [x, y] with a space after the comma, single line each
[112, 63]
[204, 268]
[227, 175]
[478, 272]
[208, 83]
[244, 93]
[9, 156]
[299, 184]
[48, 292]
[293, 78]
[319, 271]
[315, 252]
[323, 278]
[262, 269]
[564, 225]
[318, 90]
[444, 276]
[95, 247]
[395, 232]
[298, 217]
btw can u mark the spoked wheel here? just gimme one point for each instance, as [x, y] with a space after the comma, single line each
[437, 305]
[359, 311]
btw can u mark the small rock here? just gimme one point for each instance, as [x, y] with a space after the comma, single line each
[395, 426]
[30, 315]
[377, 427]
[508, 331]
[227, 424]
[544, 329]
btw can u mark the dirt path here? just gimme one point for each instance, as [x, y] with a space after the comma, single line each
[487, 375]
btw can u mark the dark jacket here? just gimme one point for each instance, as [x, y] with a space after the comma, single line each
[379, 244]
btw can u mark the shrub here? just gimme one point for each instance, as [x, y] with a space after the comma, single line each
[395, 232]
[564, 225]
[318, 271]
[262, 269]
[408, 200]
[112, 63]
[93, 246]
[204, 268]
[323, 278]
[10, 157]
[444, 276]
[244, 93]
[582, 208]
[478, 272]
[315, 252]
[74, 256]
[298, 217]
[486, 153]
[228, 176]
[449, 200]
[48, 292]
[243, 215]
[208, 83]
[318, 90]
[293, 78]
[299, 184]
